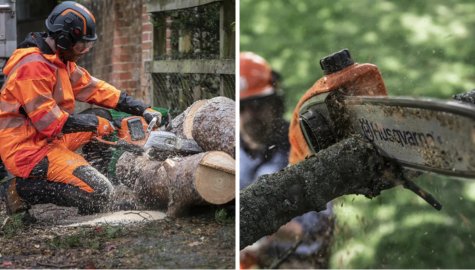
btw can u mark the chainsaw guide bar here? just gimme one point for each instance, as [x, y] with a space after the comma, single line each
[431, 135]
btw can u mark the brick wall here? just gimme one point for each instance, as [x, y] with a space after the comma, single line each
[124, 43]
[147, 54]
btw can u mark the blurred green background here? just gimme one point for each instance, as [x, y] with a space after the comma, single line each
[422, 48]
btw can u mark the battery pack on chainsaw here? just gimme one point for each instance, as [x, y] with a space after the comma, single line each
[132, 129]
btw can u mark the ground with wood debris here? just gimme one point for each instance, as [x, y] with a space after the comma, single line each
[205, 239]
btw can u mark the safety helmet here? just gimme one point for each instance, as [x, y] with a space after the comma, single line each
[255, 76]
[70, 22]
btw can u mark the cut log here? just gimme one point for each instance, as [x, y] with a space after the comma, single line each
[126, 168]
[147, 178]
[211, 123]
[152, 184]
[183, 123]
[205, 178]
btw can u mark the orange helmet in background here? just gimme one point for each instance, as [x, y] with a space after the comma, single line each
[255, 76]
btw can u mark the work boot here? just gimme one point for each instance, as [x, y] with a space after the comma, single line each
[13, 202]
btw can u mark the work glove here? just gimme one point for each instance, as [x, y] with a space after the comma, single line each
[104, 127]
[150, 113]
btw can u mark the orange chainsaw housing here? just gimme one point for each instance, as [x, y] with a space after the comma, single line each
[354, 80]
[133, 129]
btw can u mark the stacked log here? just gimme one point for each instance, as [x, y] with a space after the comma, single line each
[183, 181]
[211, 123]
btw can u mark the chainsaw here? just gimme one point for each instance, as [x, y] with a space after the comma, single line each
[423, 134]
[135, 136]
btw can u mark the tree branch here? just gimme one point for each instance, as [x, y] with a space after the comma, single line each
[351, 166]
[468, 97]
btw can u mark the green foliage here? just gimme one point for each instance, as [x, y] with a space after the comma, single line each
[422, 48]
[400, 230]
[222, 216]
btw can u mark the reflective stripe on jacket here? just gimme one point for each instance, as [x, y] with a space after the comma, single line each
[35, 102]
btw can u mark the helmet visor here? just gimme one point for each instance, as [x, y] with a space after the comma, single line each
[83, 46]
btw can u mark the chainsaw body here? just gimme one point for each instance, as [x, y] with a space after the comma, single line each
[133, 129]
[342, 77]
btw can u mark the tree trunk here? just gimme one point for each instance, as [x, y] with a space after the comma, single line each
[211, 123]
[351, 166]
[205, 178]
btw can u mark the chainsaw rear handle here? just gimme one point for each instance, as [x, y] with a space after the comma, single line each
[101, 140]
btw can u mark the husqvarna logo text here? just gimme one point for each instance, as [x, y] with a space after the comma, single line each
[377, 132]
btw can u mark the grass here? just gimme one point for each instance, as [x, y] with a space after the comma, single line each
[13, 225]
[92, 238]
[399, 230]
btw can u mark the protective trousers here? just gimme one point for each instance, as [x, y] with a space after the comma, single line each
[65, 178]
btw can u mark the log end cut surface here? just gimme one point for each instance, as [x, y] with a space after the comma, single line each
[190, 117]
[215, 178]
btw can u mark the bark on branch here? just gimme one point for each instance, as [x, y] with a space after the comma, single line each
[351, 166]
[468, 97]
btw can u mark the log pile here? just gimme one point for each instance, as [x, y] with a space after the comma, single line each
[179, 182]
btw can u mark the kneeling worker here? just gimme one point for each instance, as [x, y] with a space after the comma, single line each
[39, 131]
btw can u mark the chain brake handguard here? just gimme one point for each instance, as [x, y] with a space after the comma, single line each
[316, 121]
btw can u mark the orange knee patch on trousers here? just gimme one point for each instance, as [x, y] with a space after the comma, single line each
[62, 163]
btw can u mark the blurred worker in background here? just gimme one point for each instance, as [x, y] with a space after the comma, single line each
[263, 130]
[39, 130]
[264, 149]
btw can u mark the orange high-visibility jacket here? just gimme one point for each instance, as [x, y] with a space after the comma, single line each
[35, 102]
